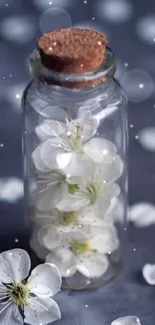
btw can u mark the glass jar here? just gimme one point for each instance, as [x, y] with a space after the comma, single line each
[75, 145]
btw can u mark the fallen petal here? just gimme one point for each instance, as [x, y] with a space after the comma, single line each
[127, 320]
[142, 214]
[149, 273]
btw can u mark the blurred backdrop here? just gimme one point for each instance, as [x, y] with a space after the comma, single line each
[130, 29]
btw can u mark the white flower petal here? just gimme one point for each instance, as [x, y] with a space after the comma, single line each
[49, 152]
[51, 196]
[14, 265]
[127, 320]
[40, 251]
[112, 171]
[3, 290]
[41, 311]
[78, 165]
[11, 315]
[95, 265]
[103, 201]
[105, 242]
[50, 128]
[63, 159]
[149, 273]
[49, 237]
[100, 150]
[36, 157]
[73, 203]
[142, 214]
[89, 128]
[44, 281]
[146, 138]
[64, 259]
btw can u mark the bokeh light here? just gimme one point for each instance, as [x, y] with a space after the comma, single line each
[20, 29]
[13, 95]
[45, 4]
[54, 18]
[138, 85]
[146, 29]
[115, 11]
[146, 138]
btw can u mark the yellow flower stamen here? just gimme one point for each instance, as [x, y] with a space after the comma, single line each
[79, 247]
[18, 294]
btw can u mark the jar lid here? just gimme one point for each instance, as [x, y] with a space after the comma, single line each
[72, 50]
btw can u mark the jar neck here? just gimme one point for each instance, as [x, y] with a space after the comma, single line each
[83, 81]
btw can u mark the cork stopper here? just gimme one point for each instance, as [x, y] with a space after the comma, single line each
[73, 51]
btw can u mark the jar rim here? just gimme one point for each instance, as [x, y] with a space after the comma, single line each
[38, 70]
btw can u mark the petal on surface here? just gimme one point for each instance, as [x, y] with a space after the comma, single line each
[78, 165]
[112, 171]
[45, 280]
[49, 197]
[149, 273]
[41, 311]
[49, 236]
[94, 265]
[64, 259]
[100, 150]
[14, 265]
[40, 251]
[142, 214]
[49, 152]
[127, 320]
[11, 316]
[36, 157]
[50, 128]
[105, 242]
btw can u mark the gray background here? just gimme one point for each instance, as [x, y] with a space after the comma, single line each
[128, 294]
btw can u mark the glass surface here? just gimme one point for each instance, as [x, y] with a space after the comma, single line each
[75, 143]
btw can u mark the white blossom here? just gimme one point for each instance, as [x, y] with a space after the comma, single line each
[62, 147]
[31, 297]
[78, 252]
[50, 189]
[96, 190]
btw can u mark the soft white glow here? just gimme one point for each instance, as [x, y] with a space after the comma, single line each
[134, 81]
[44, 4]
[11, 189]
[115, 11]
[146, 28]
[19, 29]
[54, 18]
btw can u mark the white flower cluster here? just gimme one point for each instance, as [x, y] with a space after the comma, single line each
[76, 173]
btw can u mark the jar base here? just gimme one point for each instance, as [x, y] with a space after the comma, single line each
[89, 284]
